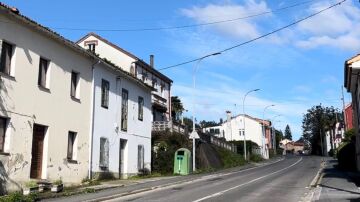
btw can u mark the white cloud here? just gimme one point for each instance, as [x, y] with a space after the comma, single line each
[243, 29]
[337, 27]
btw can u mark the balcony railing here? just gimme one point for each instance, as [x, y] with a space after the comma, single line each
[168, 125]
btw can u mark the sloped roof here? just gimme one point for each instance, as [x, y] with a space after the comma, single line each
[138, 60]
[14, 14]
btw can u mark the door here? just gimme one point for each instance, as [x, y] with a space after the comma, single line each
[37, 151]
[122, 157]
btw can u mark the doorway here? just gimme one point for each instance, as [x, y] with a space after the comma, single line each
[122, 157]
[37, 151]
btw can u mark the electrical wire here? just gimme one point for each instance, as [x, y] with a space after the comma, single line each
[184, 26]
[257, 38]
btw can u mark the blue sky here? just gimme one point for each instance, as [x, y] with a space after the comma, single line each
[295, 69]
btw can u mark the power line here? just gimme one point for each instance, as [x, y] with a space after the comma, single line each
[257, 38]
[184, 26]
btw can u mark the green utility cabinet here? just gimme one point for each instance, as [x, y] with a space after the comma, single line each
[182, 161]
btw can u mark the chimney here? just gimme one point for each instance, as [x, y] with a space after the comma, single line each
[228, 115]
[152, 61]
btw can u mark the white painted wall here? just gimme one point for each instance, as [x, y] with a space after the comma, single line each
[24, 103]
[107, 122]
[126, 62]
[232, 130]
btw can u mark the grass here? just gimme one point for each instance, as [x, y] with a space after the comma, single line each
[18, 197]
[230, 159]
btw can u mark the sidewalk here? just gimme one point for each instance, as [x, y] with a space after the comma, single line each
[336, 185]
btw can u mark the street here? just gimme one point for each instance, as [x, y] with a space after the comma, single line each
[284, 180]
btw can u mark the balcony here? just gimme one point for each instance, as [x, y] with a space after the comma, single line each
[159, 103]
[168, 125]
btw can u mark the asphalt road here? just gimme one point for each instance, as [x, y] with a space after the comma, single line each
[285, 180]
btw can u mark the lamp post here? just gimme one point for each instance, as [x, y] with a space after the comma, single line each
[194, 134]
[263, 129]
[244, 118]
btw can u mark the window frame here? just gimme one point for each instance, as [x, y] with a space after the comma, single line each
[105, 88]
[74, 88]
[141, 158]
[104, 153]
[141, 108]
[45, 80]
[3, 68]
[5, 122]
[71, 153]
[124, 109]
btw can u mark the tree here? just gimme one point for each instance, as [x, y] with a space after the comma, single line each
[288, 134]
[205, 124]
[278, 137]
[177, 108]
[316, 122]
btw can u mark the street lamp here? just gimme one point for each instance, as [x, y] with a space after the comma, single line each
[244, 118]
[194, 134]
[263, 128]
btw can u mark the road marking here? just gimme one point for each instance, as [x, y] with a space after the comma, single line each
[174, 184]
[246, 183]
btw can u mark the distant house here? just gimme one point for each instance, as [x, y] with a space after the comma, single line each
[352, 83]
[233, 130]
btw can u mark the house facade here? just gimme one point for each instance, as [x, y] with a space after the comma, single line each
[349, 116]
[233, 130]
[45, 103]
[121, 145]
[161, 96]
[66, 113]
[351, 83]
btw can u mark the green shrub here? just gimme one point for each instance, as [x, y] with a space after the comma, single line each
[18, 197]
[256, 158]
[230, 159]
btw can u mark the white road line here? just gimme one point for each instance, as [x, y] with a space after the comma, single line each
[170, 185]
[246, 183]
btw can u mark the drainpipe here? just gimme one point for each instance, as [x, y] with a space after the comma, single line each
[92, 113]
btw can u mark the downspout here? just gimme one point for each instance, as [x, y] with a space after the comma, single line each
[92, 113]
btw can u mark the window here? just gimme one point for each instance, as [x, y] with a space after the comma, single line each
[74, 85]
[105, 86]
[43, 69]
[91, 47]
[141, 108]
[6, 56]
[71, 146]
[141, 158]
[124, 109]
[3, 127]
[104, 153]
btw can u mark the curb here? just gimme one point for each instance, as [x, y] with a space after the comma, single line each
[318, 176]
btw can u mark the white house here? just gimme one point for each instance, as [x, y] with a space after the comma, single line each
[121, 136]
[161, 96]
[233, 130]
[45, 103]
